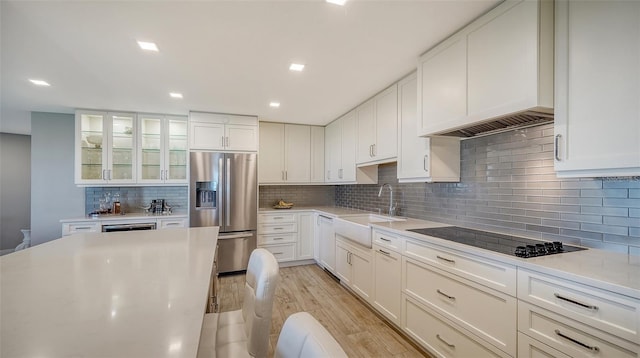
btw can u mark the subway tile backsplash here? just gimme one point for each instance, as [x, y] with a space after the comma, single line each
[508, 185]
[134, 198]
[300, 195]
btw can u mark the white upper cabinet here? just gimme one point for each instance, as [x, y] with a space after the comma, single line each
[105, 148]
[377, 124]
[499, 65]
[289, 153]
[162, 149]
[597, 119]
[223, 132]
[422, 159]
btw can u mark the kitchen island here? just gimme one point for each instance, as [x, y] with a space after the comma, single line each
[123, 294]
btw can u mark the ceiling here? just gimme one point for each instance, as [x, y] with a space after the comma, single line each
[223, 56]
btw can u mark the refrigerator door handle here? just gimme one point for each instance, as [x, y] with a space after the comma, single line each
[227, 185]
[221, 197]
[235, 236]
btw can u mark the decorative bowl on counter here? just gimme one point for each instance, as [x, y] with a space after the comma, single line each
[282, 205]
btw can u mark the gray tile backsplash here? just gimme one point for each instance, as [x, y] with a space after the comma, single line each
[300, 195]
[133, 198]
[508, 185]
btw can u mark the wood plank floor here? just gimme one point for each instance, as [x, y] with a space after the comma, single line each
[360, 332]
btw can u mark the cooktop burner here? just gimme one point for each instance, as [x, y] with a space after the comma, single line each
[506, 244]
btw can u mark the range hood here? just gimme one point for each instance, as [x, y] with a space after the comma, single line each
[502, 124]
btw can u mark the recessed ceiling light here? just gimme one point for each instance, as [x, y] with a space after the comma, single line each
[274, 104]
[40, 83]
[148, 46]
[296, 67]
[337, 2]
[175, 95]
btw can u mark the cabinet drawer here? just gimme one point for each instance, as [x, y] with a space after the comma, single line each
[276, 239]
[171, 223]
[282, 252]
[73, 228]
[275, 219]
[440, 336]
[388, 241]
[604, 310]
[530, 348]
[493, 274]
[570, 337]
[489, 314]
[277, 228]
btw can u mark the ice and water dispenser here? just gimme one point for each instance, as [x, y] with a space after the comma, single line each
[206, 194]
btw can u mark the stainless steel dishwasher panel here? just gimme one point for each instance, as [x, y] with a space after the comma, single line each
[234, 250]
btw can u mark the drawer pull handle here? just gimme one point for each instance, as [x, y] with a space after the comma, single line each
[278, 253]
[384, 252]
[278, 228]
[591, 348]
[383, 239]
[591, 307]
[445, 295]
[278, 218]
[83, 228]
[446, 259]
[445, 342]
[278, 238]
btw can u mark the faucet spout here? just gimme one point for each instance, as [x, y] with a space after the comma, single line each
[392, 208]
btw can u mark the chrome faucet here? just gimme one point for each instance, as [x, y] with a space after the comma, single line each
[392, 207]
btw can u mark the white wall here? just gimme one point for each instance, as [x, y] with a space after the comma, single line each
[53, 193]
[15, 190]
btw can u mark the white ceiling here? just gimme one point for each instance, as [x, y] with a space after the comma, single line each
[224, 56]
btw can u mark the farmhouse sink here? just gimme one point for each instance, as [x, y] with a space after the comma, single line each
[356, 228]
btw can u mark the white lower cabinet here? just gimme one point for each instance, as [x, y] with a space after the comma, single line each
[387, 287]
[306, 236]
[354, 267]
[570, 337]
[80, 226]
[172, 223]
[530, 348]
[440, 336]
[487, 313]
[289, 236]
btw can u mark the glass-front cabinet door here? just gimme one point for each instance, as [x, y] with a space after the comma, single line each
[105, 144]
[177, 150]
[163, 149]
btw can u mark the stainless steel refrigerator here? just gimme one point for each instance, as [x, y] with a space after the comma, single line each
[223, 191]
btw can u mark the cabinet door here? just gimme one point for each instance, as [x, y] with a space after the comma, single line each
[442, 87]
[91, 154]
[305, 236]
[503, 69]
[206, 136]
[176, 150]
[122, 146]
[343, 263]
[413, 150]
[151, 148]
[366, 131]
[597, 114]
[333, 150]
[241, 137]
[297, 153]
[387, 287]
[362, 275]
[271, 157]
[348, 168]
[386, 145]
[317, 154]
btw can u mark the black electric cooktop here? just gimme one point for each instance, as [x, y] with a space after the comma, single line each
[506, 244]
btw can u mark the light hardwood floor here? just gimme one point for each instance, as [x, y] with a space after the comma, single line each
[360, 332]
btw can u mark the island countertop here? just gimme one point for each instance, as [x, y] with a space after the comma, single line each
[122, 294]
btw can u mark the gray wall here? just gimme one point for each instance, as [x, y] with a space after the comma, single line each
[15, 188]
[509, 185]
[54, 195]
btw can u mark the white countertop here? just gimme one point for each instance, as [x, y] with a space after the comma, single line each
[122, 294]
[607, 270]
